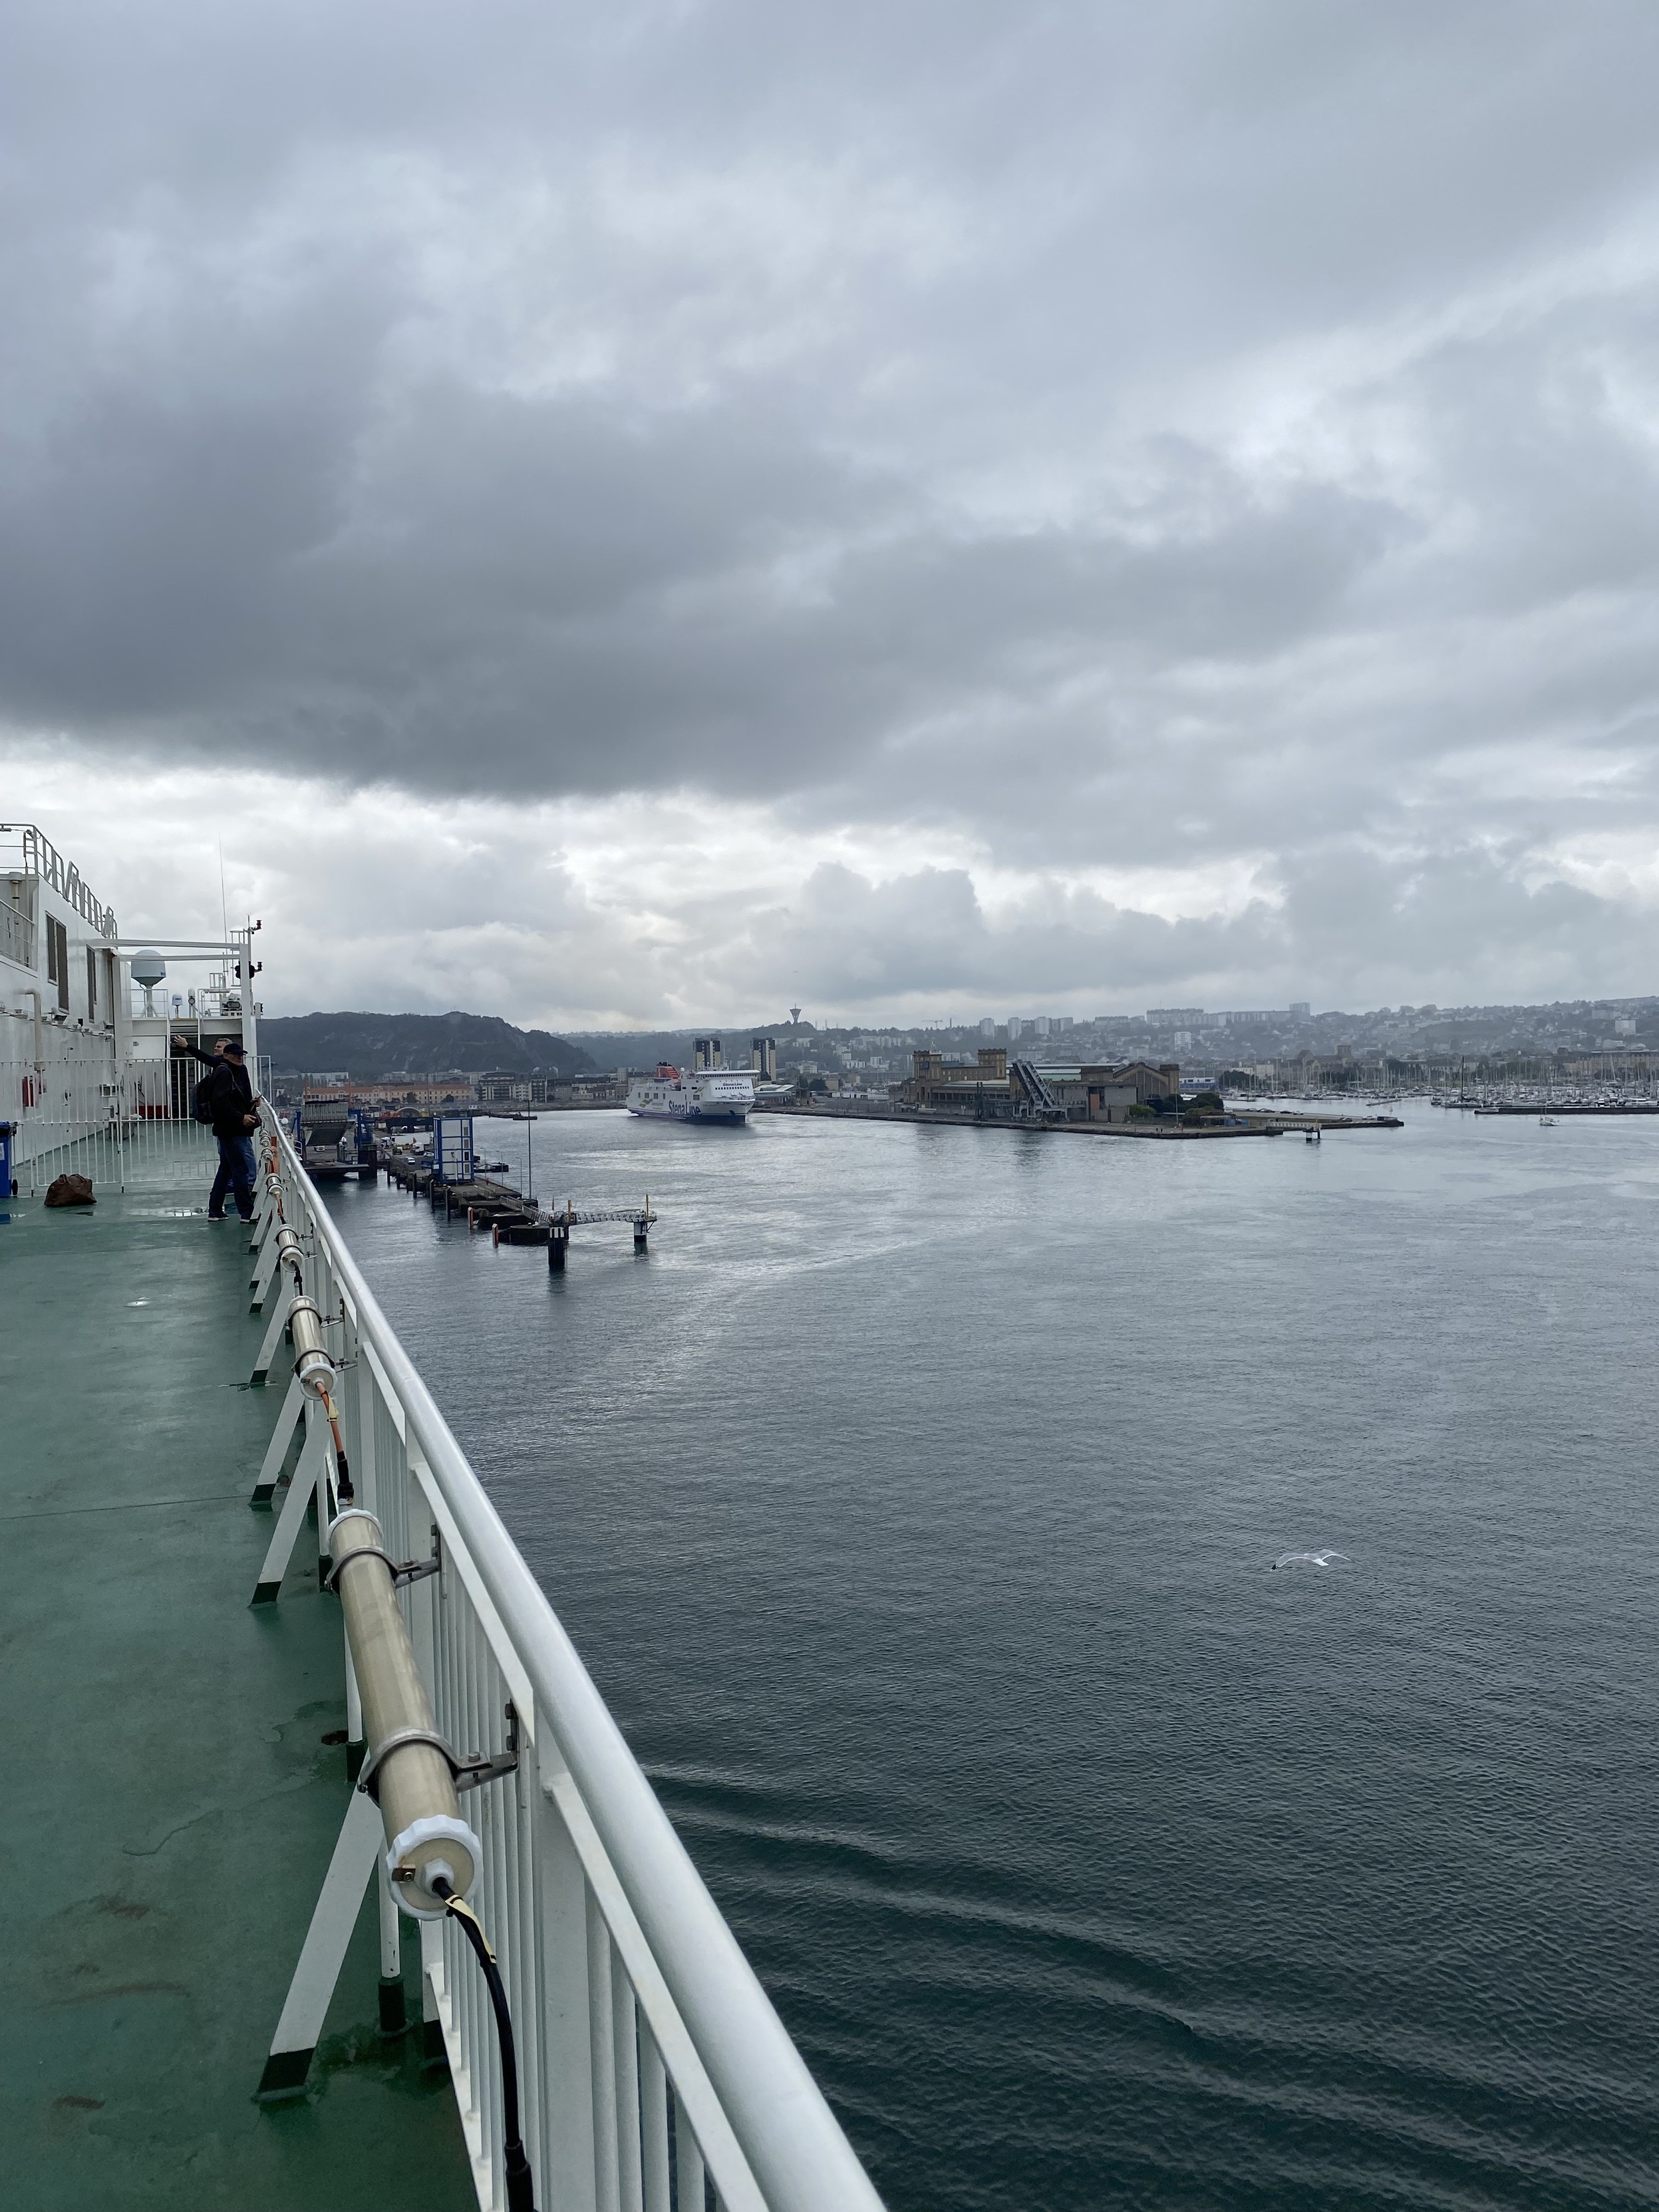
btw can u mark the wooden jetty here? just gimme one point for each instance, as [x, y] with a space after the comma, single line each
[483, 1195]
[510, 1218]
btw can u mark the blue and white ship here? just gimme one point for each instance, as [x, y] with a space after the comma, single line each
[708, 1091]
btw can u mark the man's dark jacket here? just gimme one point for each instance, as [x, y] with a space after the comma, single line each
[229, 1094]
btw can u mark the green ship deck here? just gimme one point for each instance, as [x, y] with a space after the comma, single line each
[172, 1801]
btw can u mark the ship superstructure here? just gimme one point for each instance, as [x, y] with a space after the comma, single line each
[86, 1018]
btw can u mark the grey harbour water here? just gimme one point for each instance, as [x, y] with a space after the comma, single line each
[915, 1504]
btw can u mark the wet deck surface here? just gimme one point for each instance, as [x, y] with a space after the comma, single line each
[170, 1805]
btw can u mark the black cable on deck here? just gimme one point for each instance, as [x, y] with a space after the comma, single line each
[520, 2181]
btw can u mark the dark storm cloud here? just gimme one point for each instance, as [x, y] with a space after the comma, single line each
[595, 601]
[1169, 437]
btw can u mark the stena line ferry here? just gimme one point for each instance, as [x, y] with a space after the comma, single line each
[708, 1091]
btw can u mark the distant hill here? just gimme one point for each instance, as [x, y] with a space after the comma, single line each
[369, 1046]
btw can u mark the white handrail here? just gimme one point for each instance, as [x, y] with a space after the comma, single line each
[792, 2142]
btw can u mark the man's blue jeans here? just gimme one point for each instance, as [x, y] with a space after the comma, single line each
[236, 1172]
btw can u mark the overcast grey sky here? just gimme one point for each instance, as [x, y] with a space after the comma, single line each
[641, 513]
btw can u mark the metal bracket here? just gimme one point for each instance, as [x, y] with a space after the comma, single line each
[405, 1570]
[469, 1773]
[396, 1741]
[472, 1772]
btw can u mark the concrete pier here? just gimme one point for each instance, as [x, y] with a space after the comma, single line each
[1162, 1129]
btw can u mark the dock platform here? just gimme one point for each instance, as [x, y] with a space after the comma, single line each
[511, 1218]
[481, 1195]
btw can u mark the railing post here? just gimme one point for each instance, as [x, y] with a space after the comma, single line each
[435, 2051]
[602, 2044]
[392, 2016]
[690, 2179]
[359, 1395]
[630, 2177]
[653, 2121]
[566, 2179]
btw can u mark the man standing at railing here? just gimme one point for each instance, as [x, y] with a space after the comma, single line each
[227, 1101]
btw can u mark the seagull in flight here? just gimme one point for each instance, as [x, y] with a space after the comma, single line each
[1309, 1558]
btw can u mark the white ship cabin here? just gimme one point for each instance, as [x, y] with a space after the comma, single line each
[85, 1016]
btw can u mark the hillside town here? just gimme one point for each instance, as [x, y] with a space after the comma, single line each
[457, 1059]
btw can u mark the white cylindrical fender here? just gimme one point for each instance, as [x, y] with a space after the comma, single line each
[405, 1766]
[312, 1362]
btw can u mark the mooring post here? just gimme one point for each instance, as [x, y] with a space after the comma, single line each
[558, 1240]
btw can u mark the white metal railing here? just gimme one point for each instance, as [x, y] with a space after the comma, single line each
[653, 2068]
[40, 857]
[76, 1109]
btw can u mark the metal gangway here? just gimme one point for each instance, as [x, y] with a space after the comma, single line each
[1039, 1098]
[654, 2074]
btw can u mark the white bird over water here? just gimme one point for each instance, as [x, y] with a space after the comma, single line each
[1309, 1558]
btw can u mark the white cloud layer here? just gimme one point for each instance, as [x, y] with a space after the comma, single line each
[648, 516]
[673, 908]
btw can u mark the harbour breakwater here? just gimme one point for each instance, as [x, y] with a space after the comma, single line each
[1616, 1108]
[1163, 1128]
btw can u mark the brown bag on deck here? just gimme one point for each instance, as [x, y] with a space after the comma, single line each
[70, 1190]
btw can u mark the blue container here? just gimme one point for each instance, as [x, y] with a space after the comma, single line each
[8, 1188]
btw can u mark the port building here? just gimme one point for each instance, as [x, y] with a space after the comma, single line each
[986, 1087]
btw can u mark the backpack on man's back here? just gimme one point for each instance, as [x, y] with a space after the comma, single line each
[201, 1106]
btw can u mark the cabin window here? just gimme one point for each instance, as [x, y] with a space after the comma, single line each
[92, 985]
[58, 959]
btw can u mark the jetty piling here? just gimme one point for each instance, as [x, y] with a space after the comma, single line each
[559, 1227]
